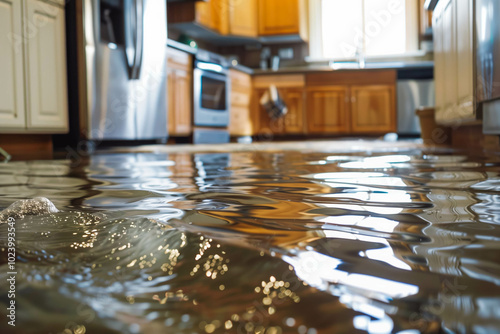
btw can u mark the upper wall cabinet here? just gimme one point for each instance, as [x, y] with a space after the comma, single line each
[240, 18]
[278, 17]
[453, 55]
[283, 17]
[33, 90]
[243, 17]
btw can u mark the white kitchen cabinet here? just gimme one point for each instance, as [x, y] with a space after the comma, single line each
[465, 60]
[453, 54]
[46, 60]
[36, 54]
[12, 112]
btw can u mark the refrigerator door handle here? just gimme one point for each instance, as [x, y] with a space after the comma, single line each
[129, 27]
[139, 38]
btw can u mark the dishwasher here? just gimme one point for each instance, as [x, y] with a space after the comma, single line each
[415, 88]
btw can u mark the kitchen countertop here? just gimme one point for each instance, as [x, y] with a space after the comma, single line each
[318, 67]
[181, 46]
[397, 65]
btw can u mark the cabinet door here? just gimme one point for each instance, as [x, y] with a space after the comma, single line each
[171, 101]
[266, 127]
[327, 109]
[373, 109]
[243, 18]
[278, 17]
[220, 16]
[464, 57]
[179, 102]
[450, 63]
[294, 119]
[240, 123]
[12, 114]
[183, 102]
[46, 60]
[439, 62]
[204, 14]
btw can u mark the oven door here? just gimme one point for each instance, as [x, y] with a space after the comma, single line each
[211, 98]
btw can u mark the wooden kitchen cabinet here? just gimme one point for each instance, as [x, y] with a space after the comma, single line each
[263, 19]
[240, 120]
[373, 109]
[294, 99]
[278, 17]
[180, 83]
[291, 89]
[243, 18]
[283, 17]
[33, 67]
[203, 12]
[327, 109]
[213, 14]
[351, 102]
[220, 16]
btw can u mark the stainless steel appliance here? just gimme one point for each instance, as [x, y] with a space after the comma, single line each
[125, 69]
[211, 98]
[415, 88]
[488, 63]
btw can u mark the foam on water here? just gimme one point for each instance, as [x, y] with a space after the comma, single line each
[33, 206]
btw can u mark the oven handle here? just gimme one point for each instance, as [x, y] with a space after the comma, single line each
[213, 75]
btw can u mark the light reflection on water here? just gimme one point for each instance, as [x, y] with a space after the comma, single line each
[257, 242]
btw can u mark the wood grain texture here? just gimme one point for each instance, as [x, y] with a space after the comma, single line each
[327, 109]
[278, 17]
[27, 147]
[373, 109]
[240, 121]
[180, 98]
[356, 77]
[289, 80]
[243, 18]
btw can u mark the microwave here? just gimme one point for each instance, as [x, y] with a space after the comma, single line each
[211, 95]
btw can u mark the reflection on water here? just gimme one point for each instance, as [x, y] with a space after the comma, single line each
[256, 242]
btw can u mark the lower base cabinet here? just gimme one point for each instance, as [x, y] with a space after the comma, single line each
[240, 123]
[373, 109]
[291, 90]
[33, 87]
[332, 103]
[351, 102]
[327, 109]
[179, 86]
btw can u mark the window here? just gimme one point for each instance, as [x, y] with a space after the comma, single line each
[341, 29]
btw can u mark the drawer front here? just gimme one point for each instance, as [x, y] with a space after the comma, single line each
[240, 124]
[240, 79]
[178, 58]
[239, 98]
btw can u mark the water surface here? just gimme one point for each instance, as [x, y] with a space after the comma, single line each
[257, 242]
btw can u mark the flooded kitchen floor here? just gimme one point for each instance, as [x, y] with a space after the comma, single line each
[338, 240]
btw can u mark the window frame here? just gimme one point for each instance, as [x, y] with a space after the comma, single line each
[316, 52]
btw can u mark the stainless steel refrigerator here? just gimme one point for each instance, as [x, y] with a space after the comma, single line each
[124, 50]
[488, 63]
